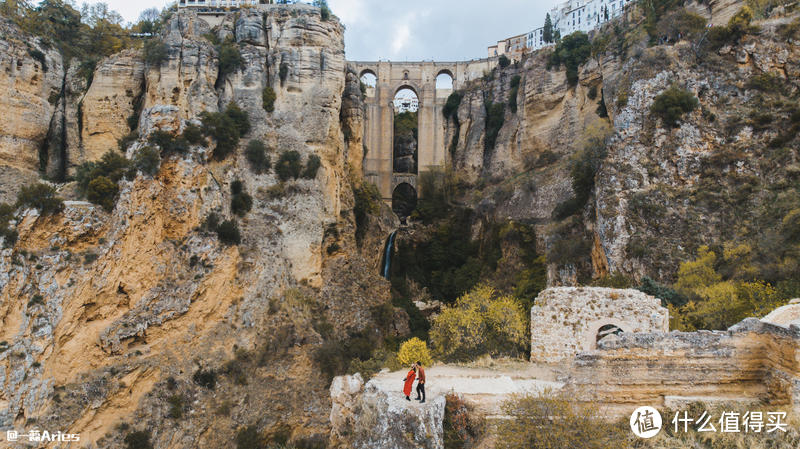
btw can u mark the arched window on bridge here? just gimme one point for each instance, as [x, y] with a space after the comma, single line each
[406, 126]
[368, 82]
[444, 80]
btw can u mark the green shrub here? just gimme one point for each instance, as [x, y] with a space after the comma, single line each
[211, 222]
[42, 197]
[257, 156]
[738, 26]
[324, 10]
[226, 128]
[367, 202]
[147, 160]
[766, 82]
[312, 167]
[568, 208]
[40, 57]
[289, 166]
[665, 294]
[230, 59]
[268, 98]
[155, 52]
[592, 94]
[89, 258]
[250, 438]
[790, 226]
[193, 134]
[514, 93]
[103, 192]
[176, 403]
[139, 439]
[168, 142]
[583, 169]
[568, 250]
[241, 201]
[680, 23]
[672, 104]
[789, 30]
[205, 378]
[572, 51]
[334, 358]
[112, 167]
[503, 61]
[6, 215]
[240, 117]
[228, 233]
[451, 106]
[127, 141]
[495, 118]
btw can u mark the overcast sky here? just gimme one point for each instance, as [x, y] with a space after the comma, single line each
[416, 29]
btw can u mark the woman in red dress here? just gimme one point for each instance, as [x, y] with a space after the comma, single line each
[409, 381]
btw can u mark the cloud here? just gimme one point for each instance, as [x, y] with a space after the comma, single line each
[415, 29]
[401, 37]
[433, 29]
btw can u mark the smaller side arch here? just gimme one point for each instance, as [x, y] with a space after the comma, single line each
[367, 71]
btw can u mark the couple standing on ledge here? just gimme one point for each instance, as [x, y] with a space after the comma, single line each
[409, 382]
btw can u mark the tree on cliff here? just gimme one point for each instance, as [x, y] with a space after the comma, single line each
[572, 51]
[548, 29]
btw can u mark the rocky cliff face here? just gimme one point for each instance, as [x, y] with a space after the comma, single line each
[370, 416]
[660, 192]
[34, 81]
[140, 320]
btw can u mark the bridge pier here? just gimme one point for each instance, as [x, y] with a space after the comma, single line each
[420, 77]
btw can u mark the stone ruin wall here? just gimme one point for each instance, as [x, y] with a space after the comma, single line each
[753, 361]
[566, 320]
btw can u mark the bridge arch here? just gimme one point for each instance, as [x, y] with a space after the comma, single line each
[432, 142]
[404, 199]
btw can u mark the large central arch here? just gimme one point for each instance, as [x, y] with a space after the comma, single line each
[421, 77]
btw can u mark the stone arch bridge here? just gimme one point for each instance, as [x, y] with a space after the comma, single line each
[420, 77]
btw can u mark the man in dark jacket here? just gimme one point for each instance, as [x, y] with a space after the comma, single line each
[420, 383]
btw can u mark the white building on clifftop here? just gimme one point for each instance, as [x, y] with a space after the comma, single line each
[221, 3]
[567, 18]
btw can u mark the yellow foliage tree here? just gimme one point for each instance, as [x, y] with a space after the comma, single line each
[698, 273]
[414, 350]
[481, 322]
[719, 303]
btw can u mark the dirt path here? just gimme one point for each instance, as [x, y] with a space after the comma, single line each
[485, 387]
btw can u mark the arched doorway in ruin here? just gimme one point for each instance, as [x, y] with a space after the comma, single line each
[606, 330]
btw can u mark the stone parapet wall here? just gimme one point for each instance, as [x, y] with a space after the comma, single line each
[752, 361]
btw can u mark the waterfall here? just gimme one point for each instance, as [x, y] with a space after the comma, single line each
[387, 256]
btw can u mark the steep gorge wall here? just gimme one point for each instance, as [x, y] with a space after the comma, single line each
[660, 193]
[107, 316]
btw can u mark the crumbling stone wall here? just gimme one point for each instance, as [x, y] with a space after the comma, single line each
[752, 361]
[566, 320]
